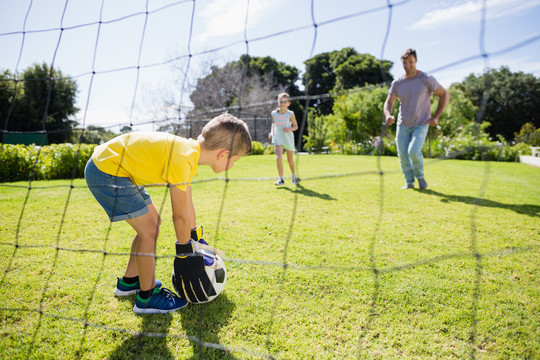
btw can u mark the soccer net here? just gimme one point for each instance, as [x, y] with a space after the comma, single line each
[102, 249]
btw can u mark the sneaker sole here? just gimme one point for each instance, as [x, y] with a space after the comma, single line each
[138, 310]
[119, 292]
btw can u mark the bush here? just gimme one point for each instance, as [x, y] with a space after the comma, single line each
[257, 148]
[468, 147]
[261, 149]
[57, 161]
[15, 162]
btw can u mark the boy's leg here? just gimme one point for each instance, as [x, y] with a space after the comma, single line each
[147, 229]
[279, 159]
[131, 269]
[152, 299]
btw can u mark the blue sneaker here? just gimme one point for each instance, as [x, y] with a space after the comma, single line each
[125, 289]
[162, 301]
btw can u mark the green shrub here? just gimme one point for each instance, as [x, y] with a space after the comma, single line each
[257, 148]
[261, 149]
[57, 161]
[468, 147]
[14, 162]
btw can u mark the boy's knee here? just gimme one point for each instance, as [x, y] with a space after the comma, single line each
[150, 233]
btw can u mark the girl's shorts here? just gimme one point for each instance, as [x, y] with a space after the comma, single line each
[119, 196]
[281, 138]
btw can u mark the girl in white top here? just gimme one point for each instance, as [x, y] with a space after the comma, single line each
[283, 125]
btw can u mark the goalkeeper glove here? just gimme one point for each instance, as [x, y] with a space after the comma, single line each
[189, 275]
[197, 233]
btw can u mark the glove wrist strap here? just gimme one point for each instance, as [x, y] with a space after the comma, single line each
[187, 248]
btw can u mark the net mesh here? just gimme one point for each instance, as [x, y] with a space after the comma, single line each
[64, 243]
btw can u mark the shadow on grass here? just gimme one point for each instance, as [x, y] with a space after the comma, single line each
[151, 343]
[202, 324]
[526, 209]
[307, 192]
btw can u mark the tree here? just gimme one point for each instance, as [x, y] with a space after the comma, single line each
[458, 114]
[513, 99]
[362, 112]
[243, 83]
[247, 88]
[44, 101]
[92, 135]
[342, 70]
[9, 90]
[356, 119]
[528, 134]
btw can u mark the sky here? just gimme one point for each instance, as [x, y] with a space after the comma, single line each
[129, 56]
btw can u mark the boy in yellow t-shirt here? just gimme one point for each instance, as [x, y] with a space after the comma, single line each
[116, 174]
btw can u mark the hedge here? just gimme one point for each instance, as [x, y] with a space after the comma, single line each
[57, 161]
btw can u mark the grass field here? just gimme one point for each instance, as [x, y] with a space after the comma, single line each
[372, 271]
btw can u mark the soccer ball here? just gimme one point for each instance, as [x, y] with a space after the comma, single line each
[217, 273]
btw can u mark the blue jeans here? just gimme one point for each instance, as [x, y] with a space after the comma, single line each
[410, 141]
[119, 196]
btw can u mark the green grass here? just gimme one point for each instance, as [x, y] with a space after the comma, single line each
[373, 272]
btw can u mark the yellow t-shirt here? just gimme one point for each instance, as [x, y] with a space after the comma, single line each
[149, 158]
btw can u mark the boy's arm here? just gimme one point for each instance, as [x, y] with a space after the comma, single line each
[181, 216]
[190, 209]
[189, 276]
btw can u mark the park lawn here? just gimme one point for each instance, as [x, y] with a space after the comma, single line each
[344, 266]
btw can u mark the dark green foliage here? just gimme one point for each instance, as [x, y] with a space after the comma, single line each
[513, 99]
[41, 99]
[342, 70]
[528, 134]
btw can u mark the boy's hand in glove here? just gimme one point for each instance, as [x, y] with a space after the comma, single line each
[189, 275]
[197, 234]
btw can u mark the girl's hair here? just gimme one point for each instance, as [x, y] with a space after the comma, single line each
[282, 95]
[226, 132]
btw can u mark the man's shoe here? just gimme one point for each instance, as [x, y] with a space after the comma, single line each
[407, 186]
[422, 184]
[295, 180]
[162, 301]
[125, 289]
[280, 181]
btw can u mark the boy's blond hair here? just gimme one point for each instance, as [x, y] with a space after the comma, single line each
[226, 132]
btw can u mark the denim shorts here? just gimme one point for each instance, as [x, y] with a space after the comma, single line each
[119, 196]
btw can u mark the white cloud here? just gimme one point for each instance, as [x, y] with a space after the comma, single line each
[229, 17]
[470, 11]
